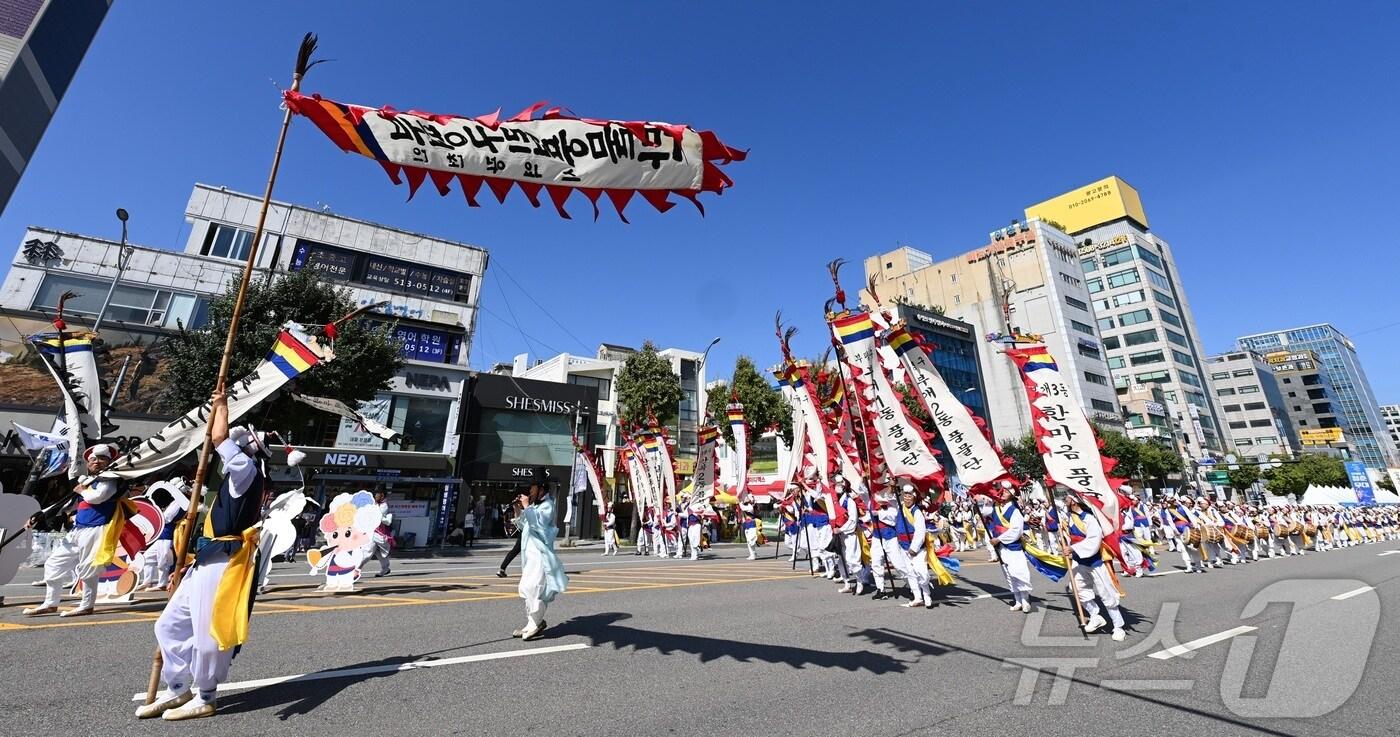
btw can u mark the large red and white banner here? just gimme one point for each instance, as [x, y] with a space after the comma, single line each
[556, 152]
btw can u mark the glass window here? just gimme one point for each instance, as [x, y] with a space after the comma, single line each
[1239, 425]
[1266, 441]
[604, 386]
[1101, 305]
[1158, 280]
[1149, 257]
[1226, 392]
[1105, 323]
[1111, 343]
[1151, 376]
[1116, 362]
[1232, 408]
[1102, 406]
[1088, 351]
[1079, 303]
[1140, 337]
[1243, 372]
[1176, 338]
[1183, 358]
[1220, 375]
[525, 438]
[1117, 256]
[1095, 286]
[1243, 441]
[227, 242]
[1081, 327]
[1128, 298]
[1261, 423]
[1169, 318]
[1249, 390]
[130, 304]
[1094, 378]
[1189, 378]
[1164, 299]
[423, 422]
[1070, 280]
[1089, 265]
[1253, 405]
[1135, 317]
[1147, 357]
[1123, 278]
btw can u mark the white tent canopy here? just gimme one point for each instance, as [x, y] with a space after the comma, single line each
[1328, 495]
[1386, 497]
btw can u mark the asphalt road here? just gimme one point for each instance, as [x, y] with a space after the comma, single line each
[657, 647]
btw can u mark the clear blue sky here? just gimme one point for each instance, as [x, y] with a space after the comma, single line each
[1262, 137]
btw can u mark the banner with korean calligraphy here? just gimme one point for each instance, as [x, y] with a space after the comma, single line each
[702, 487]
[979, 464]
[556, 152]
[1066, 440]
[735, 413]
[791, 470]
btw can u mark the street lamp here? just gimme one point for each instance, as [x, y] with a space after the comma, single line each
[123, 258]
[702, 396]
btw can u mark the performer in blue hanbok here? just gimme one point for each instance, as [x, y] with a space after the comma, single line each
[542, 577]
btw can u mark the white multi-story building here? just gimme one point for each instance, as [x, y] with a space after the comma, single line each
[1028, 280]
[1254, 409]
[431, 285]
[1390, 413]
[1149, 334]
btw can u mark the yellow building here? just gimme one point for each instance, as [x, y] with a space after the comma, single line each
[1095, 204]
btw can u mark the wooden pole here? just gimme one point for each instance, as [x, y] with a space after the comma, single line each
[1068, 552]
[186, 532]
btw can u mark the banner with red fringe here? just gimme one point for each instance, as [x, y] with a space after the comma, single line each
[555, 153]
[1067, 441]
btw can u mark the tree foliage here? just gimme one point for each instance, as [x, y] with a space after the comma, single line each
[1242, 477]
[647, 385]
[764, 405]
[1293, 478]
[1026, 462]
[367, 356]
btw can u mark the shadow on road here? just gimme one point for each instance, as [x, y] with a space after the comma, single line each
[603, 629]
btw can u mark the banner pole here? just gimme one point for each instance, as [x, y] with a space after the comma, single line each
[185, 532]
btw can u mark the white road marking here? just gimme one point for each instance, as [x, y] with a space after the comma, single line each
[376, 669]
[1389, 552]
[1178, 650]
[1353, 592]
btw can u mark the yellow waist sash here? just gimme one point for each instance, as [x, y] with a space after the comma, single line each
[228, 619]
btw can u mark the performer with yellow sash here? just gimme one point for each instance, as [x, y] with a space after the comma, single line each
[1091, 575]
[206, 618]
[1005, 525]
[85, 550]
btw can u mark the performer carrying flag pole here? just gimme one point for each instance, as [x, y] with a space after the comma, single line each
[183, 534]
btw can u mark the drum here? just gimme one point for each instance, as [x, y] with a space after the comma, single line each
[1193, 536]
[1310, 529]
[1214, 534]
[1262, 532]
[1285, 529]
[1243, 535]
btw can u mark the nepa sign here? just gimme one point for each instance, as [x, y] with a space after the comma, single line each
[345, 459]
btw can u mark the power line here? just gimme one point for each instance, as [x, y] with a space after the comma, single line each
[546, 312]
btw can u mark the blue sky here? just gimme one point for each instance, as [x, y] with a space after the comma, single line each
[1261, 136]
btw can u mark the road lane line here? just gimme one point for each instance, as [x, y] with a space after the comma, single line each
[1173, 652]
[376, 669]
[1353, 592]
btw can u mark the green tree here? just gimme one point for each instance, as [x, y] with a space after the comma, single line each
[1026, 461]
[647, 385]
[1127, 451]
[764, 405]
[1387, 484]
[1157, 462]
[1242, 477]
[366, 355]
[1292, 478]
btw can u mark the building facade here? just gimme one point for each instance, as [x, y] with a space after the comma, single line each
[1254, 408]
[1027, 279]
[432, 311]
[1146, 415]
[42, 42]
[1309, 401]
[1390, 413]
[1360, 412]
[1140, 308]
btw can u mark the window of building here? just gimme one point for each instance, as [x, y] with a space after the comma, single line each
[1253, 405]
[1088, 351]
[1089, 265]
[1140, 337]
[1146, 357]
[1117, 256]
[131, 304]
[1158, 280]
[1183, 358]
[1312, 379]
[1293, 394]
[1111, 343]
[1135, 317]
[1105, 323]
[1196, 398]
[1261, 423]
[604, 386]
[423, 421]
[1317, 393]
[1151, 376]
[1102, 406]
[1128, 298]
[1243, 441]
[1218, 375]
[526, 438]
[1243, 372]
[1149, 257]
[1164, 299]
[1266, 441]
[1322, 408]
[1115, 362]
[1169, 318]
[1123, 278]
[1232, 408]
[1249, 389]
[1076, 303]
[223, 241]
[1189, 378]
[1226, 392]
[1287, 381]
[1239, 425]
[1070, 280]
[1094, 378]
[1101, 305]
[1095, 286]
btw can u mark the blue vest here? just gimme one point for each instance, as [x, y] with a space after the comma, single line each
[95, 515]
[232, 515]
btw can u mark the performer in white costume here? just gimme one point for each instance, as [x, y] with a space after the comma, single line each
[71, 557]
[1091, 574]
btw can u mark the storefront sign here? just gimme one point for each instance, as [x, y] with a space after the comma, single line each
[407, 508]
[1321, 436]
[422, 344]
[540, 406]
[426, 381]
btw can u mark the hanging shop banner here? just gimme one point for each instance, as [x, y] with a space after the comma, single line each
[292, 353]
[555, 152]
